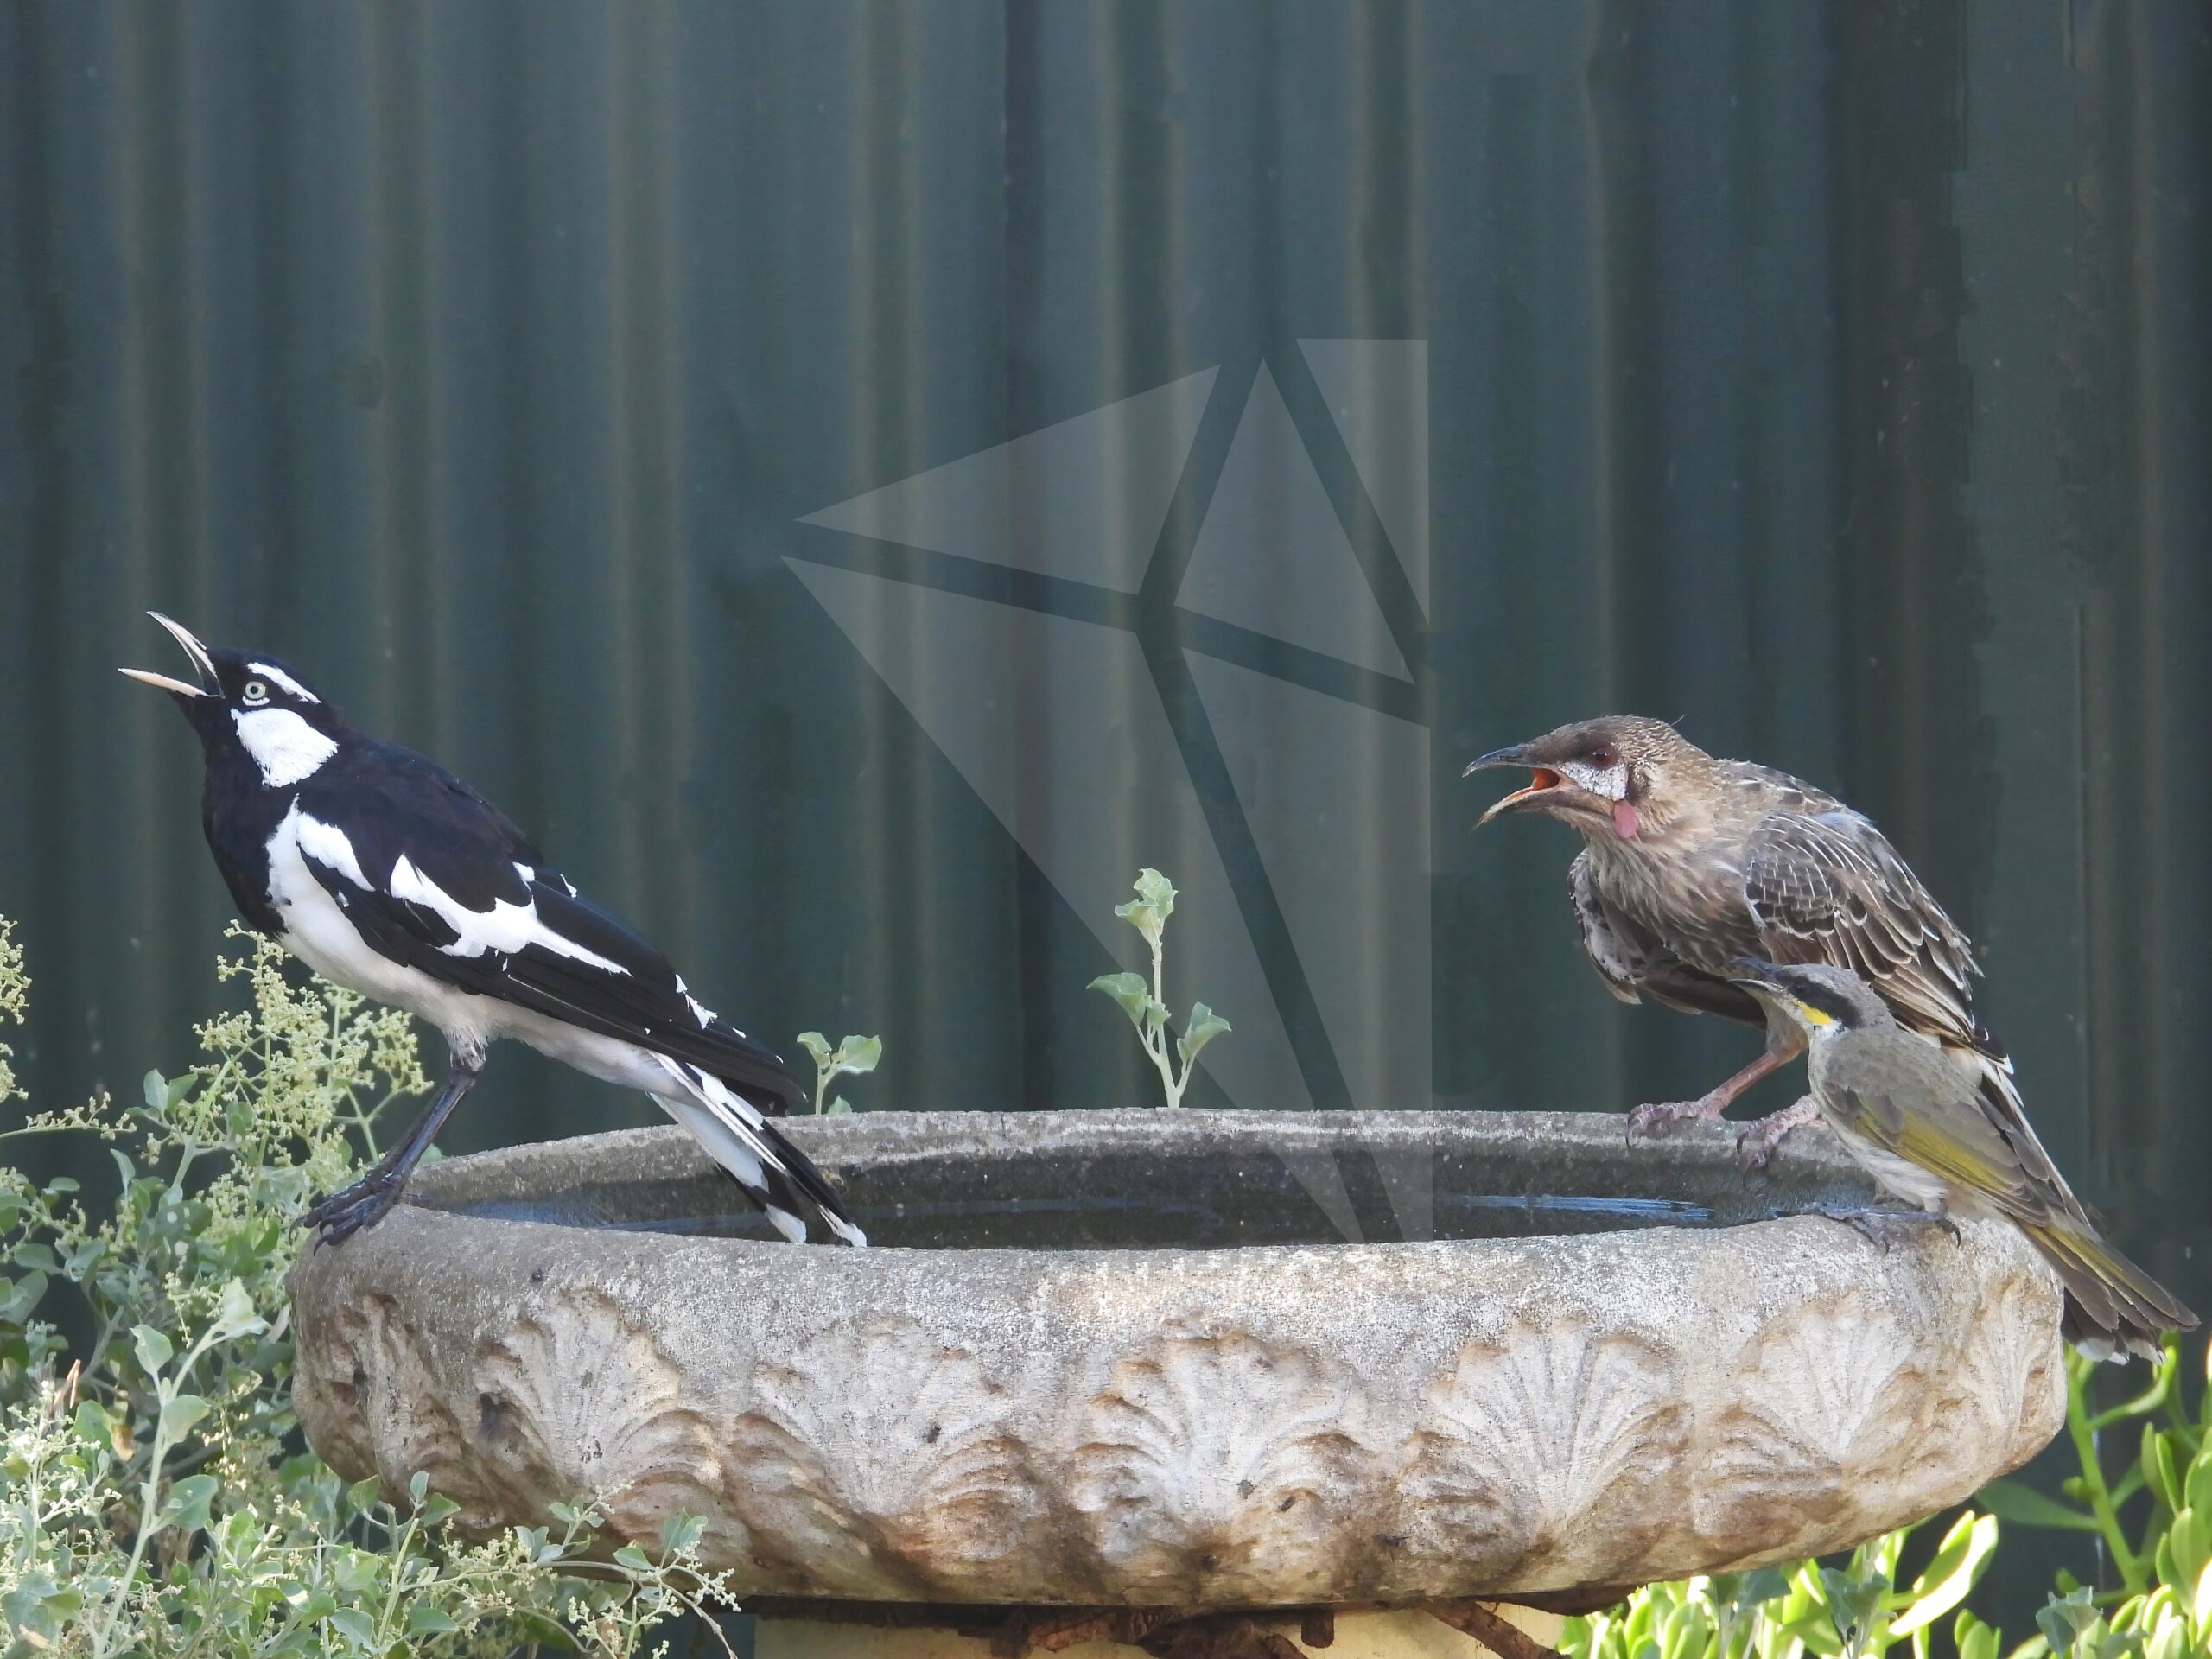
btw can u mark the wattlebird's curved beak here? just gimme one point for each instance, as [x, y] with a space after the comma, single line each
[1513, 754]
[1509, 756]
[200, 661]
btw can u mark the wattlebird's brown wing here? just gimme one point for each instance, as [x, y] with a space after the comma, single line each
[1825, 886]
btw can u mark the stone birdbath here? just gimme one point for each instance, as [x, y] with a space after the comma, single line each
[1113, 1382]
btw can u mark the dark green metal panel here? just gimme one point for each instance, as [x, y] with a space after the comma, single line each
[1833, 377]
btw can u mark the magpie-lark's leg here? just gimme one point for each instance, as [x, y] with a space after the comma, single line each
[363, 1204]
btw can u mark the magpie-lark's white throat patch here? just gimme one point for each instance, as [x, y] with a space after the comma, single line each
[286, 749]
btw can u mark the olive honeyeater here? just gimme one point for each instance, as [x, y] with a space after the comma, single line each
[1928, 1133]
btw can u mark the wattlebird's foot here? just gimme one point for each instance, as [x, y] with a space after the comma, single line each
[362, 1205]
[1705, 1109]
[1876, 1226]
[1755, 1146]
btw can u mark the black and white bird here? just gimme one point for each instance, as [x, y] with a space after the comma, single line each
[387, 874]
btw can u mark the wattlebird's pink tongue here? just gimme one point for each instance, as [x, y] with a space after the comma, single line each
[1624, 819]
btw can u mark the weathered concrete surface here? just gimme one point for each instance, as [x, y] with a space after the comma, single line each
[1247, 1426]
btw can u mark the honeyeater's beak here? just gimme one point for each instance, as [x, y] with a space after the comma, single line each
[193, 649]
[1764, 981]
[1754, 974]
[1541, 782]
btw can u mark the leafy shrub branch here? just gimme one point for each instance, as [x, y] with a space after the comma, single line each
[156, 1496]
[2151, 1513]
[1856, 1611]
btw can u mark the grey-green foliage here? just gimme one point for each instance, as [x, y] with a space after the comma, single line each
[1146, 1005]
[2152, 1516]
[1854, 1611]
[152, 1498]
[854, 1055]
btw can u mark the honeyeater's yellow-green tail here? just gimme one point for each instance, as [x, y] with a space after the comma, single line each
[2112, 1306]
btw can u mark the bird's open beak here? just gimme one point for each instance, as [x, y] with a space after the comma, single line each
[1541, 782]
[200, 661]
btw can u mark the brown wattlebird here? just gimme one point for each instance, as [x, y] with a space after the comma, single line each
[1930, 1134]
[1690, 863]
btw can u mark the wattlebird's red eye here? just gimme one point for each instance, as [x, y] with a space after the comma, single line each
[1604, 756]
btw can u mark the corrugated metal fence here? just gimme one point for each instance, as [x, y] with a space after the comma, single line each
[1834, 378]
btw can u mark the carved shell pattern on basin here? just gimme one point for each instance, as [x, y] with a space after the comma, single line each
[1525, 1439]
[1218, 1465]
[575, 1397]
[882, 1463]
[1411, 1421]
[366, 1381]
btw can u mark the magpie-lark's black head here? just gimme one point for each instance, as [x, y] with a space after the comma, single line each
[249, 704]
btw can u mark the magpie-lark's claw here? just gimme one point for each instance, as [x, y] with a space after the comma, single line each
[330, 1204]
[366, 1214]
[347, 1210]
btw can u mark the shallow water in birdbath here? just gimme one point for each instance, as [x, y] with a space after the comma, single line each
[1322, 1188]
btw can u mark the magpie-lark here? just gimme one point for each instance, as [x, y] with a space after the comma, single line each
[387, 874]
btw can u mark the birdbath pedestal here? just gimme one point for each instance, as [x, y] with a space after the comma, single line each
[1208, 1384]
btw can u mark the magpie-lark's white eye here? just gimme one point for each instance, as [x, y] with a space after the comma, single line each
[256, 691]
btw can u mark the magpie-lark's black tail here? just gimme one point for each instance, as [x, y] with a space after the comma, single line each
[775, 1174]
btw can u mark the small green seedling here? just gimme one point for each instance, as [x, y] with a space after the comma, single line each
[854, 1054]
[1146, 1006]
